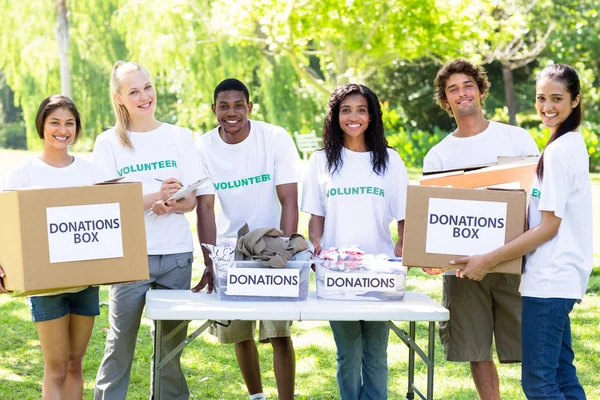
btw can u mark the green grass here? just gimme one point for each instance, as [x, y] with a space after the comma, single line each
[212, 369]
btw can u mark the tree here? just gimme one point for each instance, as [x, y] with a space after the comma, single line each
[8, 111]
[185, 45]
[576, 41]
[28, 57]
[62, 39]
[31, 63]
[514, 33]
[331, 42]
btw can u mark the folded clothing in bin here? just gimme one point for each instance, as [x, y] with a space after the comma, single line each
[268, 245]
[347, 273]
[255, 281]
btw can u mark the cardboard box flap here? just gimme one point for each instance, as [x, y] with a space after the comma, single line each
[505, 189]
[112, 181]
[502, 162]
[455, 171]
[509, 175]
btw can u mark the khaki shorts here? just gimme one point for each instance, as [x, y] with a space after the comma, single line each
[480, 310]
[240, 331]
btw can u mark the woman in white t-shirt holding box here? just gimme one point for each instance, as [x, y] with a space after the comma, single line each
[64, 319]
[356, 155]
[558, 245]
[163, 157]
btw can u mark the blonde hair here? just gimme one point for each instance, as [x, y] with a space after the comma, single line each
[120, 70]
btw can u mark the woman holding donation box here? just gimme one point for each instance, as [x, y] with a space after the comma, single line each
[64, 319]
[356, 156]
[558, 245]
[163, 157]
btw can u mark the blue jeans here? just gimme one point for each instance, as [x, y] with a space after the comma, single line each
[362, 369]
[548, 372]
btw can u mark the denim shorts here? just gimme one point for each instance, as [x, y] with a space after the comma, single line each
[46, 308]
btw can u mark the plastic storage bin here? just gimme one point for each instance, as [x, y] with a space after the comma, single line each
[375, 280]
[252, 281]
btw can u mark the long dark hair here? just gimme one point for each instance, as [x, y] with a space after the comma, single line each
[333, 137]
[567, 75]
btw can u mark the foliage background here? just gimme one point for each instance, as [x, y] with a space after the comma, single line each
[292, 54]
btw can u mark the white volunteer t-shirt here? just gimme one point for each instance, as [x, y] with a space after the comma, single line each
[498, 140]
[561, 267]
[358, 205]
[166, 152]
[36, 173]
[245, 175]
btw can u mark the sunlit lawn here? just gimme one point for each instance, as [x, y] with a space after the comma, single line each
[212, 369]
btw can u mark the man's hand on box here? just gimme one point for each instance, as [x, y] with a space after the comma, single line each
[476, 267]
[398, 249]
[207, 279]
[2, 275]
[434, 271]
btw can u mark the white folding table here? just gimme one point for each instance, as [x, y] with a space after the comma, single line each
[186, 306]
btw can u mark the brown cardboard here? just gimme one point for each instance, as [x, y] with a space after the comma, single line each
[415, 228]
[24, 238]
[518, 171]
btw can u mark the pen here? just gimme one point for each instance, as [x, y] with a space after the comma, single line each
[160, 180]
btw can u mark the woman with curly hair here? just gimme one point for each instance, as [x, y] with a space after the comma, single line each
[355, 188]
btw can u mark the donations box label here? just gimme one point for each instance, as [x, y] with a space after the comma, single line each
[263, 282]
[89, 232]
[360, 282]
[465, 226]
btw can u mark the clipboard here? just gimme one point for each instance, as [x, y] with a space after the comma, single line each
[181, 193]
[184, 191]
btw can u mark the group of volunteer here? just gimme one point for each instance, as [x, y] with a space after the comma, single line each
[355, 187]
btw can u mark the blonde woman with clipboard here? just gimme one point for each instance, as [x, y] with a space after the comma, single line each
[164, 158]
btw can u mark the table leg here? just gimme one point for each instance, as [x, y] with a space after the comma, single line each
[431, 355]
[185, 342]
[413, 347]
[158, 342]
[411, 363]
[159, 361]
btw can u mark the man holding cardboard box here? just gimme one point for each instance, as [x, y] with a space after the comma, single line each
[491, 307]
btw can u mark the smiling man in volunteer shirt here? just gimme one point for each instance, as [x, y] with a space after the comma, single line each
[479, 310]
[255, 171]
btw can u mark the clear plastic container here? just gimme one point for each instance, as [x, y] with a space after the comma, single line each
[375, 280]
[252, 281]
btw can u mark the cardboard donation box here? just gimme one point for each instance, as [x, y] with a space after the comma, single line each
[508, 173]
[252, 281]
[69, 237]
[443, 224]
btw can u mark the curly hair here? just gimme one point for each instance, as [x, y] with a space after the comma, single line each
[459, 66]
[333, 136]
